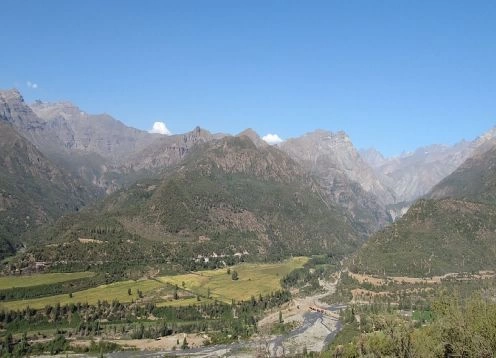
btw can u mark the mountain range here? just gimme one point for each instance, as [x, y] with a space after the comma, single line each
[75, 177]
[451, 229]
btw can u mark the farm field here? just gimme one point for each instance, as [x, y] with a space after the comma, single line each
[114, 291]
[253, 280]
[40, 279]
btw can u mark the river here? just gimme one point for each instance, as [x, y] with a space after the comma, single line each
[314, 332]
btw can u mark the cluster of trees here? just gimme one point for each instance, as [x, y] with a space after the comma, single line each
[22, 347]
[9, 347]
[307, 277]
[20, 293]
[458, 329]
[105, 319]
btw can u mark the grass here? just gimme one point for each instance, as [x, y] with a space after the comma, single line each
[254, 279]
[115, 291]
[40, 279]
[423, 316]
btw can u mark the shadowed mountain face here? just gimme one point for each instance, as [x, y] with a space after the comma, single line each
[474, 180]
[454, 230]
[227, 196]
[33, 191]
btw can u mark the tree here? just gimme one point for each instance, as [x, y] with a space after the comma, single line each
[129, 291]
[185, 344]
[234, 275]
[8, 343]
[280, 317]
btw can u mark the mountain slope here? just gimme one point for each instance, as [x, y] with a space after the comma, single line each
[349, 181]
[434, 237]
[324, 152]
[454, 230]
[32, 190]
[168, 151]
[227, 197]
[101, 134]
[474, 180]
[97, 148]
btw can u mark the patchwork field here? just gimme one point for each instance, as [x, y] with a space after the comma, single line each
[40, 279]
[115, 291]
[253, 280]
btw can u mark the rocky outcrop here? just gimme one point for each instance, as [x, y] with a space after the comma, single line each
[347, 179]
[326, 153]
[99, 134]
[167, 151]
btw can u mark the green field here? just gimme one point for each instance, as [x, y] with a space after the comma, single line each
[40, 279]
[114, 291]
[254, 279]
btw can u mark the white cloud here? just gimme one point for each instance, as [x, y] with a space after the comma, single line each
[272, 139]
[160, 128]
[32, 85]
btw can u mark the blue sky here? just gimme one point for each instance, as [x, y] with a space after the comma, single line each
[394, 75]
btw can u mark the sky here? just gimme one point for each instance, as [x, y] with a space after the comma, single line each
[394, 75]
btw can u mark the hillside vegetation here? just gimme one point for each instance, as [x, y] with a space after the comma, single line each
[32, 190]
[228, 197]
[453, 231]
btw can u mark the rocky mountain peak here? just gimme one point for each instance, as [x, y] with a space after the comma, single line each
[254, 137]
[11, 95]
[197, 134]
[372, 157]
[330, 154]
[53, 110]
[16, 112]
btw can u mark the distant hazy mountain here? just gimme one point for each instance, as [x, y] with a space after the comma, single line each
[373, 157]
[100, 134]
[413, 175]
[326, 153]
[351, 182]
[33, 191]
[452, 231]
